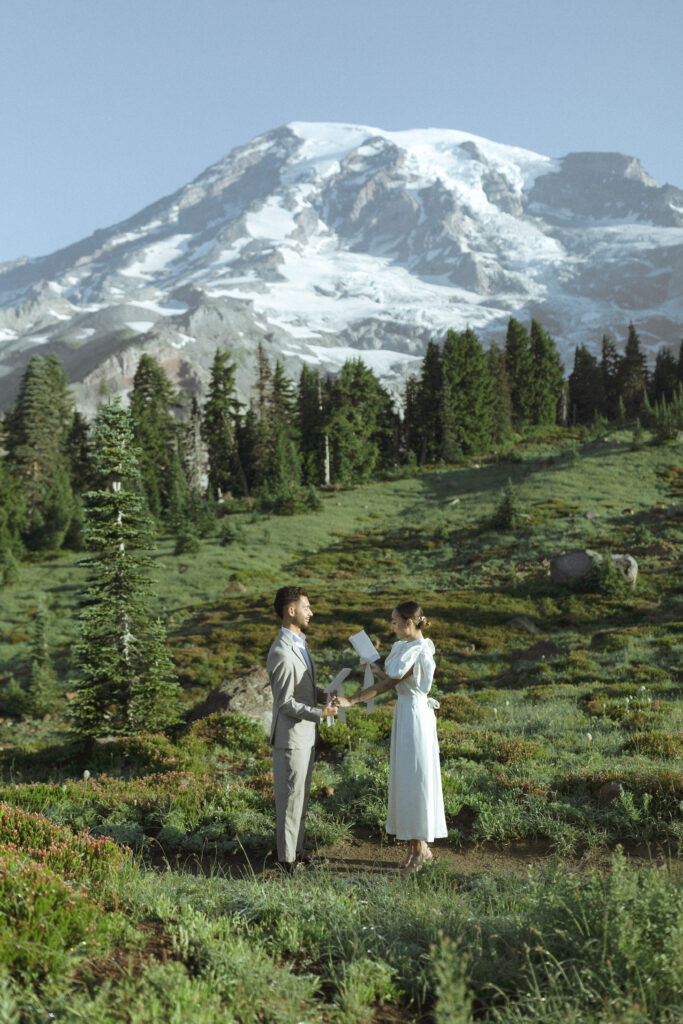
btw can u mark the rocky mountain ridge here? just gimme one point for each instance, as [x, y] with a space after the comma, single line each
[326, 241]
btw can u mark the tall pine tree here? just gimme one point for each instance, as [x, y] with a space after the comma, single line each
[314, 438]
[43, 693]
[427, 428]
[220, 430]
[610, 363]
[502, 403]
[467, 396]
[127, 682]
[361, 424]
[519, 370]
[633, 375]
[586, 392]
[37, 430]
[547, 376]
[154, 431]
[665, 377]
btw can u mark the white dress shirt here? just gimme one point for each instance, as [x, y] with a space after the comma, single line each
[300, 641]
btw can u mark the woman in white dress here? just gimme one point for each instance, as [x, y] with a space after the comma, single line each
[416, 811]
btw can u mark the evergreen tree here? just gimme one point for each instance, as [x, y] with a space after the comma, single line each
[519, 371]
[250, 447]
[279, 457]
[79, 454]
[586, 391]
[220, 430]
[126, 682]
[153, 697]
[264, 376]
[154, 430]
[361, 424]
[314, 439]
[281, 489]
[502, 403]
[427, 429]
[178, 492]
[467, 406]
[410, 432]
[42, 688]
[9, 568]
[610, 372]
[12, 510]
[508, 512]
[547, 376]
[281, 406]
[449, 448]
[37, 429]
[633, 375]
[665, 377]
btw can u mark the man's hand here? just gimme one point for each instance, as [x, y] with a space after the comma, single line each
[330, 709]
[341, 702]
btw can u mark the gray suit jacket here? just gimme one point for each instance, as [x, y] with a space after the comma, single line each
[295, 695]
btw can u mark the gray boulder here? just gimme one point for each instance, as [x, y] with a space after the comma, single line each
[248, 695]
[573, 566]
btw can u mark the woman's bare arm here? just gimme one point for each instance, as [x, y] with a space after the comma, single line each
[384, 684]
[374, 691]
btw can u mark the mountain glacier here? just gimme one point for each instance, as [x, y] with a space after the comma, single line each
[326, 241]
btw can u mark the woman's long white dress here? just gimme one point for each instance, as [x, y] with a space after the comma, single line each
[415, 797]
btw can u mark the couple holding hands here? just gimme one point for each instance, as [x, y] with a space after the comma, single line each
[415, 809]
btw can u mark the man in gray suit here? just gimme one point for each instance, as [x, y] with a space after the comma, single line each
[296, 718]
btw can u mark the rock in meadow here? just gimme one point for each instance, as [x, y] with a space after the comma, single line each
[249, 694]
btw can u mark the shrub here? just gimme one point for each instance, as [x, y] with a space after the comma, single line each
[79, 857]
[45, 916]
[358, 729]
[456, 707]
[239, 735]
[14, 700]
[656, 744]
[187, 541]
[607, 579]
[508, 511]
[664, 786]
[482, 745]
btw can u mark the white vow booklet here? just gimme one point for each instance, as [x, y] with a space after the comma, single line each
[363, 646]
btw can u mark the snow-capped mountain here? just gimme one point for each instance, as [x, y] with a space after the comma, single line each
[326, 241]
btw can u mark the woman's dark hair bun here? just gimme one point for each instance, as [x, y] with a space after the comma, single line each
[411, 610]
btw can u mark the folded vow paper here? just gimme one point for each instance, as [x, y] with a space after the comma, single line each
[363, 646]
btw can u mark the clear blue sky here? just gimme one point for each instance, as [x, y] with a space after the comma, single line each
[108, 105]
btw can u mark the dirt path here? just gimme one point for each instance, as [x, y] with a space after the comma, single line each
[366, 854]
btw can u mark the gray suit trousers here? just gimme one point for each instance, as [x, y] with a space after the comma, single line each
[292, 770]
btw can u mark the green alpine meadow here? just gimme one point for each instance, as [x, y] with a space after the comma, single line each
[139, 558]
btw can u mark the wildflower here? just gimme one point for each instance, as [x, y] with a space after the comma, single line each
[589, 736]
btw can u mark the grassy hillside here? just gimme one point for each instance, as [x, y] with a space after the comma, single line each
[563, 729]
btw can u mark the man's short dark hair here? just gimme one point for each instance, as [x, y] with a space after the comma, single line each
[286, 596]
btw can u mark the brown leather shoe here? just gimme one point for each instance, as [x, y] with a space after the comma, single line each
[289, 867]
